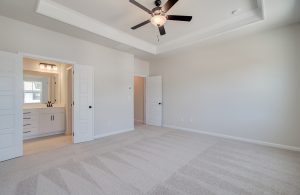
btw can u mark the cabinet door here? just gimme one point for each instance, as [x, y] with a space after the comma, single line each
[59, 122]
[45, 123]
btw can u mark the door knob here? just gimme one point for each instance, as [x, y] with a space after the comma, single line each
[159, 103]
[90, 107]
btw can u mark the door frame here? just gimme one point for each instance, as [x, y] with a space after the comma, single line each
[22, 55]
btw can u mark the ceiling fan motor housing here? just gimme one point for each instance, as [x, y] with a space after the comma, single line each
[157, 11]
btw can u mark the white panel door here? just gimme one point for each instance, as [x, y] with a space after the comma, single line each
[11, 88]
[83, 104]
[154, 101]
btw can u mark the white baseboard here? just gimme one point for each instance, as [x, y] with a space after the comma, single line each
[274, 145]
[112, 133]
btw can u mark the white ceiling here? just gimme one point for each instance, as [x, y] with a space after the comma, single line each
[108, 22]
[122, 15]
[113, 20]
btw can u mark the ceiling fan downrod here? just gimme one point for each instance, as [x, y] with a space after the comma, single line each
[157, 3]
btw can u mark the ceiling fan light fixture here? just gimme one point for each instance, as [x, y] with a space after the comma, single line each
[158, 20]
[158, 15]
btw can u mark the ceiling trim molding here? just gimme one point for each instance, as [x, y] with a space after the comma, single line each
[69, 16]
[218, 29]
[61, 13]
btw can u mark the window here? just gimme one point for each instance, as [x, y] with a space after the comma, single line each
[32, 92]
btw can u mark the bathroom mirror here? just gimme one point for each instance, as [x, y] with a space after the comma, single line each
[39, 87]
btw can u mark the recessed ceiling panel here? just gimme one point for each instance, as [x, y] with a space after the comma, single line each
[122, 15]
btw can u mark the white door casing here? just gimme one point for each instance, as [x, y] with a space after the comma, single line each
[154, 101]
[11, 88]
[83, 110]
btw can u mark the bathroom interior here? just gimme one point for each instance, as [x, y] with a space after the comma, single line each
[47, 108]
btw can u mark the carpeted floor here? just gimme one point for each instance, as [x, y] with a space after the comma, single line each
[154, 160]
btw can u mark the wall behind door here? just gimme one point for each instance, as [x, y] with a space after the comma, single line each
[114, 70]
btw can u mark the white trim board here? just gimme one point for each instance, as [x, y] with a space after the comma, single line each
[112, 133]
[257, 142]
[39, 57]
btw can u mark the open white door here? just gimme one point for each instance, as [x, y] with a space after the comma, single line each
[154, 101]
[11, 131]
[83, 120]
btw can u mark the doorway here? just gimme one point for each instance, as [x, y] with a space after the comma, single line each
[47, 105]
[148, 103]
[139, 100]
[18, 118]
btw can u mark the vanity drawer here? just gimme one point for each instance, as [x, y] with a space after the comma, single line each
[30, 117]
[27, 112]
[30, 124]
[29, 133]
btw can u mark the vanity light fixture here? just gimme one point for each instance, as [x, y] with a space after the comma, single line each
[44, 66]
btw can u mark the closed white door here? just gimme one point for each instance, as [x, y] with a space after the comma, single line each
[154, 101]
[83, 104]
[11, 87]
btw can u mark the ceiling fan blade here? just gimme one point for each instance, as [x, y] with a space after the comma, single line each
[140, 25]
[140, 6]
[162, 30]
[169, 5]
[180, 18]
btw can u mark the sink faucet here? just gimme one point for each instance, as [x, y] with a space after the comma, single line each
[49, 104]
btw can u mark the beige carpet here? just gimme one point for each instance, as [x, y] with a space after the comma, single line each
[154, 160]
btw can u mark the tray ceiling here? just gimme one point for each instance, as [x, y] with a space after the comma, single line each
[113, 19]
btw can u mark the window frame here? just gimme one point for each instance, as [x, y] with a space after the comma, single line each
[33, 80]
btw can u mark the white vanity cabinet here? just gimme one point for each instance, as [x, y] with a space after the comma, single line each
[39, 122]
[52, 120]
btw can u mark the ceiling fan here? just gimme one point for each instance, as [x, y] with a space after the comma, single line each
[158, 15]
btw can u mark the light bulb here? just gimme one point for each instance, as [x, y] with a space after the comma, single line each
[48, 67]
[42, 66]
[158, 20]
[55, 68]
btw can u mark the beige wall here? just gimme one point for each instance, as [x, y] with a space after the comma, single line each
[139, 99]
[247, 88]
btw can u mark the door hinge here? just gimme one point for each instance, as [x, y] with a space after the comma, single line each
[73, 72]
[73, 134]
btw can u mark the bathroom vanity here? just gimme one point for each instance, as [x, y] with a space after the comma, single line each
[43, 121]
[45, 82]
